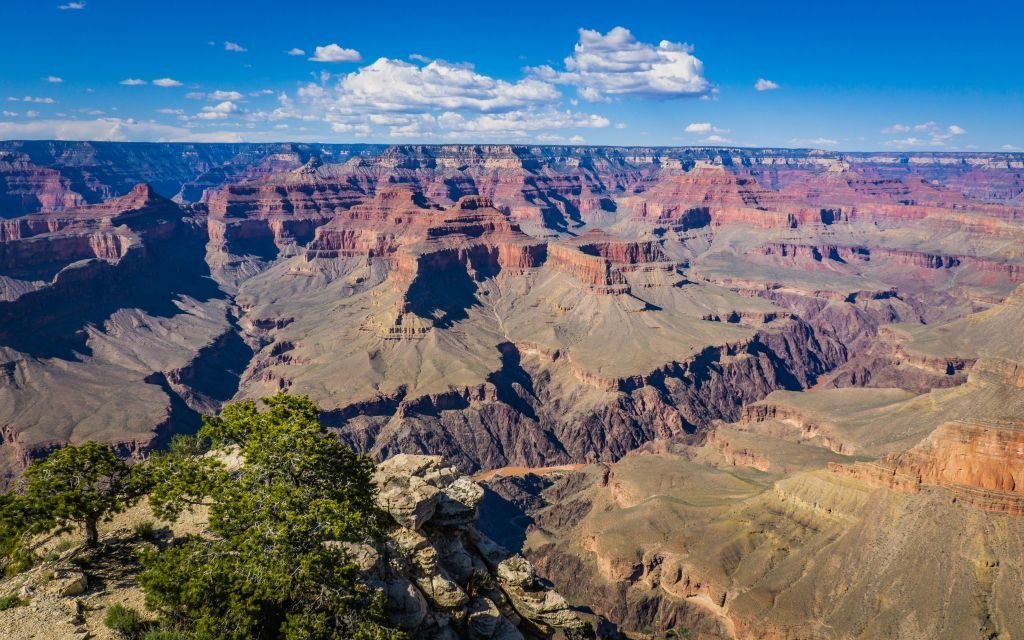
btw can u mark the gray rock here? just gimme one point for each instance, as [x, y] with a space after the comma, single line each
[406, 607]
[516, 571]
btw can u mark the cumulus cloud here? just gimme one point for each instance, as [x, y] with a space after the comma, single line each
[72, 6]
[219, 111]
[955, 130]
[764, 84]
[133, 82]
[167, 82]
[396, 86]
[54, 79]
[617, 64]
[703, 127]
[295, 51]
[335, 53]
[234, 46]
[717, 139]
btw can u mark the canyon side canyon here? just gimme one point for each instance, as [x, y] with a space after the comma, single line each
[746, 393]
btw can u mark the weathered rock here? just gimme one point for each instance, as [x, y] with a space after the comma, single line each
[434, 565]
[406, 606]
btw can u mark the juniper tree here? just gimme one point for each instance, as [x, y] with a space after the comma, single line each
[272, 565]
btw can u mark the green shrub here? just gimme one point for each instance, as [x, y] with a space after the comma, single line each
[123, 621]
[11, 601]
[144, 529]
[165, 634]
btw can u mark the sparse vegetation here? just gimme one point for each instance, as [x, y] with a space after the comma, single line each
[11, 601]
[123, 621]
[144, 529]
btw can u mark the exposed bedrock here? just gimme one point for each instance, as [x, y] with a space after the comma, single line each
[528, 414]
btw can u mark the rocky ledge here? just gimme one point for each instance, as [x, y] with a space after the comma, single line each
[443, 578]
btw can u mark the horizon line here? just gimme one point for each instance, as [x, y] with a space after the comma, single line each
[523, 144]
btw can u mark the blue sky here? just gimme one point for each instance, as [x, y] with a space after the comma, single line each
[867, 76]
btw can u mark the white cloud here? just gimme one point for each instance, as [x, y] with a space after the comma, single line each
[335, 53]
[9, 114]
[72, 6]
[577, 140]
[937, 135]
[234, 46]
[295, 51]
[171, 112]
[396, 86]
[225, 95]
[703, 127]
[115, 129]
[617, 64]
[219, 111]
[903, 143]
[764, 84]
[54, 79]
[34, 99]
[813, 142]
[1010, 147]
[31, 114]
[420, 58]
[717, 139]
[133, 82]
[167, 82]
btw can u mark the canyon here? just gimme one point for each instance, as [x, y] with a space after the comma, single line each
[741, 392]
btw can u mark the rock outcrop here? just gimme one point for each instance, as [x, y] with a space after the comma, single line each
[442, 576]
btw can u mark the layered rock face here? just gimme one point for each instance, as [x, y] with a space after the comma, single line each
[500, 304]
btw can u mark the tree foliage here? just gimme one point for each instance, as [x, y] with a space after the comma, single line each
[272, 567]
[74, 486]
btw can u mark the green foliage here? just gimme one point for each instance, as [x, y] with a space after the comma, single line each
[76, 485]
[144, 529]
[164, 634]
[11, 601]
[123, 621]
[267, 571]
[19, 521]
[79, 485]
